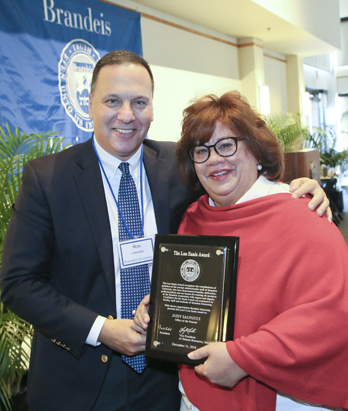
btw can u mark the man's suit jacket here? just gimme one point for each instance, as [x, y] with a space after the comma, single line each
[57, 267]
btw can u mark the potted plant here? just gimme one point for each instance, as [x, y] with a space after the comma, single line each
[15, 334]
[330, 159]
[299, 162]
[288, 129]
[325, 140]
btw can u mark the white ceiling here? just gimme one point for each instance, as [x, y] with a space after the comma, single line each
[243, 18]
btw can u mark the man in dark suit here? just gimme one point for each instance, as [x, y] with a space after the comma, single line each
[60, 267]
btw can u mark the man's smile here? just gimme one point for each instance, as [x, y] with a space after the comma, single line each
[124, 131]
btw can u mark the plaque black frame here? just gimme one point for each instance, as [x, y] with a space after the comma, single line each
[220, 322]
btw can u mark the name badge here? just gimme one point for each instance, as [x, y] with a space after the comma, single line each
[136, 252]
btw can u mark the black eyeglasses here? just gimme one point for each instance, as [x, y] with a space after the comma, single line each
[225, 147]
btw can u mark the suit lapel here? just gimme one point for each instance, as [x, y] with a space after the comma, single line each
[157, 174]
[90, 185]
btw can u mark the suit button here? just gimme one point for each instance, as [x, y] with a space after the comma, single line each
[110, 317]
[104, 358]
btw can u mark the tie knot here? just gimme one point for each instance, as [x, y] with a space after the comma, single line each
[124, 167]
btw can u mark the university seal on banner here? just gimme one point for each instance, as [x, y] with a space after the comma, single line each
[75, 70]
[190, 270]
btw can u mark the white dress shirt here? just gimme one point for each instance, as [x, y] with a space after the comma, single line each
[113, 173]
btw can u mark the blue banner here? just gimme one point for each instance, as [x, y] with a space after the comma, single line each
[48, 49]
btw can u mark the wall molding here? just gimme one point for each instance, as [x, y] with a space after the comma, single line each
[274, 58]
[249, 45]
[178, 26]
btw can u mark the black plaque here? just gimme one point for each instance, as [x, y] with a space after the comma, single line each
[193, 295]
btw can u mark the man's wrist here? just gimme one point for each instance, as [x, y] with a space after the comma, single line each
[92, 338]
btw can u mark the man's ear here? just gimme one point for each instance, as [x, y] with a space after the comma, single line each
[90, 106]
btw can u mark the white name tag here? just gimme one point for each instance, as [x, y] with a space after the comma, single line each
[136, 252]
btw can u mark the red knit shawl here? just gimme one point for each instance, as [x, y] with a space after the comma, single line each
[291, 326]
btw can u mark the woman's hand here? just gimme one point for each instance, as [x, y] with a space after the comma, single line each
[219, 367]
[301, 186]
[141, 317]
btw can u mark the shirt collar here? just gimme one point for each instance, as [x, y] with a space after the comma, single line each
[260, 188]
[111, 163]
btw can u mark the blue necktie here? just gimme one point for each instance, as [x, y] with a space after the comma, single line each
[135, 282]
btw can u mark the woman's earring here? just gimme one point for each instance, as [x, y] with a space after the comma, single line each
[259, 167]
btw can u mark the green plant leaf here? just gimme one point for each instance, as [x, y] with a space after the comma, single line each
[325, 141]
[287, 128]
[15, 334]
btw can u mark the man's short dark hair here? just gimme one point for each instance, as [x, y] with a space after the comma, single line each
[120, 57]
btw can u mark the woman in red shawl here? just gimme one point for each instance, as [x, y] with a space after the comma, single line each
[291, 324]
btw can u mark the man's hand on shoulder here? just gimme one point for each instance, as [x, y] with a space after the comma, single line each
[301, 186]
[121, 336]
